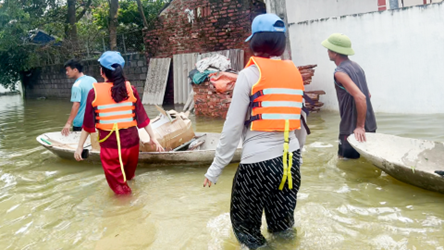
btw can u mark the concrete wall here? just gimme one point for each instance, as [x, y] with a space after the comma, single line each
[51, 81]
[400, 50]
[408, 3]
[302, 10]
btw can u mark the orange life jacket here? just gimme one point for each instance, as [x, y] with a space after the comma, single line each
[108, 112]
[277, 96]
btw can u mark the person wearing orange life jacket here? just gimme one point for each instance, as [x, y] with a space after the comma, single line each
[115, 109]
[265, 112]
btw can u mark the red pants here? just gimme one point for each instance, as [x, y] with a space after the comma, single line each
[111, 166]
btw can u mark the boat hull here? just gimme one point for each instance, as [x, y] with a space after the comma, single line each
[194, 157]
[409, 160]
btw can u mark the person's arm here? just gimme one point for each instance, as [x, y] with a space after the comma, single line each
[153, 140]
[76, 97]
[232, 130]
[72, 115]
[88, 126]
[360, 100]
[143, 121]
[78, 153]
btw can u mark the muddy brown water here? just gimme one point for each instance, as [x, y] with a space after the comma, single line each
[50, 203]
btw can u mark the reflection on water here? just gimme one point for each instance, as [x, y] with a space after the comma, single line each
[50, 203]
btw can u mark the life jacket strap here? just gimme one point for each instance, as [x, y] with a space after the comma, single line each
[116, 129]
[287, 156]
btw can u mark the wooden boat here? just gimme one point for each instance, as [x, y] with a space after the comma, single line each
[65, 147]
[409, 160]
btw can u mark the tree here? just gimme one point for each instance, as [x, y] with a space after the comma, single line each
[142, 14]
[113, 8]
[73, 18]
[129, 20]
[80, 22]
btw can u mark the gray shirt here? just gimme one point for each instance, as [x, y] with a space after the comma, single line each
[347, 105]
[256, 146]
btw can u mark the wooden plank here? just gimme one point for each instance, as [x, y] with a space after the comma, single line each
[190, 98]
[156, 81]
[317, 92]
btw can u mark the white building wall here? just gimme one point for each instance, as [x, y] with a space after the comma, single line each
[408, 3]
[302, 10]
[401, 51]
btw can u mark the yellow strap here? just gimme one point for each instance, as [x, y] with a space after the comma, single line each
[290, 163]
[116, 128]
[287, 167]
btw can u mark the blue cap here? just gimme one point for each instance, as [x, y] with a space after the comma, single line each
[266, 23]
[111, 57]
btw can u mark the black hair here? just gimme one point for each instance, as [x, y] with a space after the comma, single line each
[267, 44]
[118, 91]
[74, 64]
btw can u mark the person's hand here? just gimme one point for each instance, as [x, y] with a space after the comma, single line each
[156, 144]
[65, 130]
[206, 181]
[78, 154]
[360, 134]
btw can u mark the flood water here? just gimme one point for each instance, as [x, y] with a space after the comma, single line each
[50, 203]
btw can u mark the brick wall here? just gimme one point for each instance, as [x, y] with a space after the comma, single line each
[221, 25]
[208, 102]
[51, 81]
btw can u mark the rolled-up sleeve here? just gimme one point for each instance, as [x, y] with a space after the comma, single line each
[232, 130]
[141, 117]
[89, 119]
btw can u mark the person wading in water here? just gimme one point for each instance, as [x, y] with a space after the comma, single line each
[265, 112]
[355, 107]
[79, 93]
[115, 109]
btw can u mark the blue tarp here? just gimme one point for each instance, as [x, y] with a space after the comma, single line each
[40, 37]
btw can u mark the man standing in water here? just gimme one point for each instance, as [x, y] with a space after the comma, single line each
[355, 108]
[79, 93]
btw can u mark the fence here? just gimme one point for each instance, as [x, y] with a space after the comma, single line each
[89, 47]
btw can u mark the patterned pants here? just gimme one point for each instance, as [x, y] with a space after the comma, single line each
[255, 189]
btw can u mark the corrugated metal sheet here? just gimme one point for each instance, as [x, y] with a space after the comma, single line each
[156, 81]
[183, 64]
[236, 57]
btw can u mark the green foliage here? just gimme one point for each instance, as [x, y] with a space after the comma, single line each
[130, 21]
[128, 16]
[18, 17]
